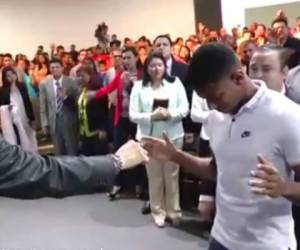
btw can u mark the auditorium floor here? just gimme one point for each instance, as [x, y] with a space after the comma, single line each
[89, 222]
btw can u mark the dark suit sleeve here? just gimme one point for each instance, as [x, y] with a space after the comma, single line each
[25, 175]
[27, 102]
[73, 93]
[97, 112]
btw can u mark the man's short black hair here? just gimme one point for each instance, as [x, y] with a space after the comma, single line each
[209, 64]
[167, 36]
[56, 60]
[280, 20]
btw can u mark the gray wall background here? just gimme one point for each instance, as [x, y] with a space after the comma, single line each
[266, 14]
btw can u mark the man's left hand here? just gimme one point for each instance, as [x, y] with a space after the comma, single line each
[266, 180]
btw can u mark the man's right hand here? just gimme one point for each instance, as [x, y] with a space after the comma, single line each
[132, 154]
[160, 114]
[159, 149]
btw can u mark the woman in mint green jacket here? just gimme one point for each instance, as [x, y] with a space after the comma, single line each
[158, 103]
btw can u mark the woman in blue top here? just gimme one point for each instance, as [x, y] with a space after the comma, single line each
[158, 103]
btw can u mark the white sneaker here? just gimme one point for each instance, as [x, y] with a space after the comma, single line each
[160, 223]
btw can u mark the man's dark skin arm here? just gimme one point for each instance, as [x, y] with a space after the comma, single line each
[204, 168]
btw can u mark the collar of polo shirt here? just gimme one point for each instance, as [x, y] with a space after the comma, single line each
[251, 104]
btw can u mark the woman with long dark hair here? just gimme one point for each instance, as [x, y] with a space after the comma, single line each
[92, 115]
[41, 69]
[27, 67]
[17, 117]
[158, 103]
[124, 129]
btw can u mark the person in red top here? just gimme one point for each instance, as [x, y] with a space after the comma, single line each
[123, 82]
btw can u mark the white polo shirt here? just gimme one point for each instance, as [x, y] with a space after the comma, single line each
[268, 124]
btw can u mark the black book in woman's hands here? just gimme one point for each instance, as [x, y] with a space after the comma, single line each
[162, 103]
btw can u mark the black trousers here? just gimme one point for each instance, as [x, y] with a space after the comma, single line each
[93, 146]
[296, 215]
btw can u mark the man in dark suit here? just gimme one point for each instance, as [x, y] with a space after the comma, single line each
[282, 37]
[58, 110]
[26, 175]
[163, 44]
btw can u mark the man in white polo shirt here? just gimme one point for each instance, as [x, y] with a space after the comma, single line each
[269, 64]
[259, 128]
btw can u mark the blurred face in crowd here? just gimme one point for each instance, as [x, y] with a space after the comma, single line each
[89, 53]
[180, 41]
[82, 56]
[117, 58]
[206, 31]
[41, 59]
[102, 67]
[21, 64]
[281, 30]
[190, 44]
[266, 66]
[129, 60]
[223, 32]
[129, 43]
[90, 63]
[72, 47]
[84, 77]
[142, 52]
[298, 22]
[234, 32]
[98, 51]
[184, 53]
[213, 34]
[163, 45]
[230, 41]
[247, 35]
[1, 61]
[31, 66]
[7, 61]
[247, 52]
[11, 76]
[60, 51]
[56, 70]
[260, 31]
[253, 27]
[66, 59]
[156, 69]
[176, 49]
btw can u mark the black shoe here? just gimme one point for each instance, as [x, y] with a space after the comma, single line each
[146, 209]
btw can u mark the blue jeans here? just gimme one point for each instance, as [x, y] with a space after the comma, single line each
[215, 245]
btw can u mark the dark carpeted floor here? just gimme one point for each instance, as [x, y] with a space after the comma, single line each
[89, 222]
